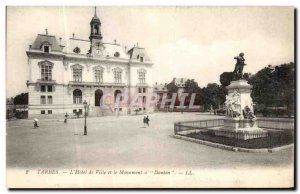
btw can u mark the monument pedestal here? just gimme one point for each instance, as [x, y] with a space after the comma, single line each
[241, 129]
[236, 123]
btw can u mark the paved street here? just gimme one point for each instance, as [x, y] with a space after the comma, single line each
[122, 141]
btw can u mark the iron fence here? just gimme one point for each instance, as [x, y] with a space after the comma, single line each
[204, 130]
[199, 124]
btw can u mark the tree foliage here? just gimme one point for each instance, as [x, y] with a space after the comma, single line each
[21, 99]
[274, 87]
[172, 88]
[227, 77]
[214, 95]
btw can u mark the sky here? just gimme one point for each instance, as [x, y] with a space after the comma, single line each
[191, 42]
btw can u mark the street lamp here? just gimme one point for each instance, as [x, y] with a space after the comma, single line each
[85, 106]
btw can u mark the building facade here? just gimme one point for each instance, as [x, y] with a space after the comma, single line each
[62, 77]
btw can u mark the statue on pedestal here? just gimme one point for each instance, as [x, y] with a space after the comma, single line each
[239, 66]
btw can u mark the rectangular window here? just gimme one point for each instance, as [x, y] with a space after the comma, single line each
[142, 59]
[42, 112]
[46, 71]
[77, 75]
[140, 90]
[74, 110]
[80, 111]
[43, 88]
[49, 99]
[142, 77]
[49, 89]
[144, 90]
[99, 76]
[49, 112]
[144, 99]
[43, 99]
[118, 76]
[77, 99]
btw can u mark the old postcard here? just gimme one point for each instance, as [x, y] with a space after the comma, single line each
[150, 97]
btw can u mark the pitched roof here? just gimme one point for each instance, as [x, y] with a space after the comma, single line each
[42, 38]
[83, 45]
[137, 52]
[112, 49]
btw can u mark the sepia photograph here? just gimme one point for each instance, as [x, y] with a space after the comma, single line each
[150, 97]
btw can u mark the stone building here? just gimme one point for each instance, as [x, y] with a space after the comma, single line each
[62, 77]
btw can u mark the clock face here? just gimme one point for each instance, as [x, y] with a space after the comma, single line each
[99, 49]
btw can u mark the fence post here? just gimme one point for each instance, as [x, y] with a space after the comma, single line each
[269, 140]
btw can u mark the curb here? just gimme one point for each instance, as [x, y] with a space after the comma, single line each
[231, 148]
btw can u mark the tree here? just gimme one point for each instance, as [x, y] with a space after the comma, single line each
[192, 87]
[274, 87]
[21, 99]
[172, 88]
[214, 95]
[226, 78]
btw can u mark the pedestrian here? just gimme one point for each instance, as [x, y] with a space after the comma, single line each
[66, 117]
[147, 120]
[144, 121]
[35, 123]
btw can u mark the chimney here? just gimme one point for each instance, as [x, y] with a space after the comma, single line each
[115, 41]
[73, 35]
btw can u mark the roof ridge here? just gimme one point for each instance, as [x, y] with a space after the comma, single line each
[46, 35]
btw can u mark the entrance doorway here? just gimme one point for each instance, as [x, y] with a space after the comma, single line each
[98, 97]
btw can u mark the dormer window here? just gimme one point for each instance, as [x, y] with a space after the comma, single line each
[46, 48]
[76, 50]
[117, 54]
[142, 59]
[138, 57]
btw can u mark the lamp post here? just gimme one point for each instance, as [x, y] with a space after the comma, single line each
[85, 106]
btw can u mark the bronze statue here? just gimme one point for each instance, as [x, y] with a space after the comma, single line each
[239, 66]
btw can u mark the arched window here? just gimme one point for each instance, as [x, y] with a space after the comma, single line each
[77, 96]
[96, 31]
[46, 70]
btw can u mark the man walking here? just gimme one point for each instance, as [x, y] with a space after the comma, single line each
[144, 121]
[147, 120]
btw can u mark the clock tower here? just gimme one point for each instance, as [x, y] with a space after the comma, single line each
[95, 37]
